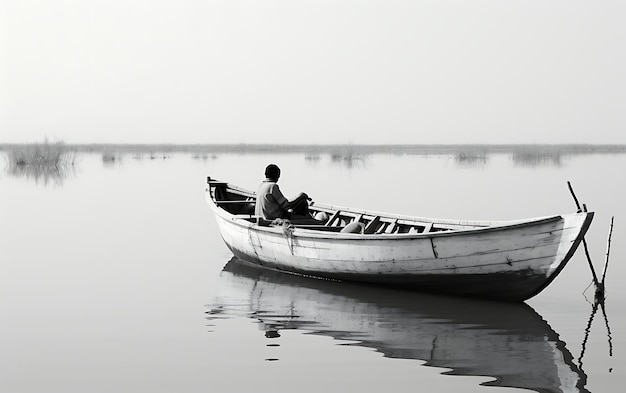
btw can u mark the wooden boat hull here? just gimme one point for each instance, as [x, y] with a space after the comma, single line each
[507, 261]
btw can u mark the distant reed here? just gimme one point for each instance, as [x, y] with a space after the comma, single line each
[347, 156]
[110, 158]
[46, 161]
[471, 158]
[45, 154]
[539, 156]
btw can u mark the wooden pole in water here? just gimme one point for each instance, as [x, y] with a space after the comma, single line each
[571, 190]
[608, 250]
[593, 271]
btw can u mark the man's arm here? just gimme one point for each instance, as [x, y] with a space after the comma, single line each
[301, 197]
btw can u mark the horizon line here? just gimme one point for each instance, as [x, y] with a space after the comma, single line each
[270, 144]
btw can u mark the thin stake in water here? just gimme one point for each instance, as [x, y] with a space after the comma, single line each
[608, 250]
[593, 271]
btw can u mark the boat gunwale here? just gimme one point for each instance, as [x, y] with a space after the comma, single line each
[312, 233]
[243, 221]
[356, 211]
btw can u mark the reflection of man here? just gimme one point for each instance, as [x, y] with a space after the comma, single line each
[272, 204]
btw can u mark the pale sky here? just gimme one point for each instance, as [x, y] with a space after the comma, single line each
[317, 71]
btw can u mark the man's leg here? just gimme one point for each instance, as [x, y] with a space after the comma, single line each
[301, 209]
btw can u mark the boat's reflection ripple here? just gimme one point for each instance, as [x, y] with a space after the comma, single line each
[509, 342]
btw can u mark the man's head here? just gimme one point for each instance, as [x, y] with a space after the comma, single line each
[272, 172]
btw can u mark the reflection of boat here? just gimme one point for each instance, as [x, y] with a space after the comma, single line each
[507, 341]
[511, 260]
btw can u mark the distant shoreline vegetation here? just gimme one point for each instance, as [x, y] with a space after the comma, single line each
[524, 151]
[54, 161]
[44, 153]
[51, 160]
[41, 161]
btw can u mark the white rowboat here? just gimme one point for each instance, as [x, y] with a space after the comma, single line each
[504, 260]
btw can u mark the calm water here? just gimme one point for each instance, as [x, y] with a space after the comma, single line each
[114, 278]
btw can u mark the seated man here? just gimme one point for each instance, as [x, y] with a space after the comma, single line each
[272, 204]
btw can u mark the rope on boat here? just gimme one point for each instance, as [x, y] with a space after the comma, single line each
[287, 228]
[432, 244]
[254, 246]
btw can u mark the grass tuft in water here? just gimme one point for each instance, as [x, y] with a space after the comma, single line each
[542, 155]
[47, 161]
[45, 154]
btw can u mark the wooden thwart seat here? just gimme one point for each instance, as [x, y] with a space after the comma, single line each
[390, 227]
[331, 220]
[372, 226]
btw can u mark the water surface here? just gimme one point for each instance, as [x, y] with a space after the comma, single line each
[114, 278]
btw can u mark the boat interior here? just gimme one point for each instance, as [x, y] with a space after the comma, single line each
[241, 203]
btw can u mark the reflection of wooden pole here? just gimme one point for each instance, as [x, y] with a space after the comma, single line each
[597, 304]
[587, 331]
[608, 328]
[608, 250]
